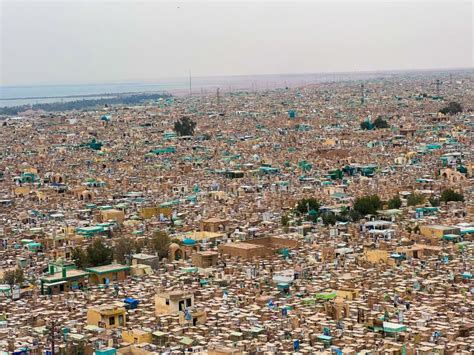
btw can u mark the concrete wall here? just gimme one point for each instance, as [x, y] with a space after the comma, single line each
[132, 337]
[223, 351]
[204, 261]
[430, 232]
[173, 307]
[276, 242]
[235, 251]
[116, 215]
[112, 276]
[376, 256]
[132, 350]
[95, 317]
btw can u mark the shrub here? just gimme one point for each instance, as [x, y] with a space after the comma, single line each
[160, 243]
[307, 204]
[184, 126]
[367, 204]
[395, 202]
[452, 108]
[380, 123]
[415, 199]
[451, 195]
[329, 218]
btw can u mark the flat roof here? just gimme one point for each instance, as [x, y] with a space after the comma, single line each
[207, 253]
[175, 294]
[107, 308]
[215, 220]
[439, 227]
[201, 235]
[108, 268]
[144, 256]
[246, 246]
[378, 223]
[70, 274]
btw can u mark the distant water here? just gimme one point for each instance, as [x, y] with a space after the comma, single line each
[26, 95]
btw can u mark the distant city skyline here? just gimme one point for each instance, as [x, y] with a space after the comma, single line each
[75, 42]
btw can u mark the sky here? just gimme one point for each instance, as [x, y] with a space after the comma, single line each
[97, 41]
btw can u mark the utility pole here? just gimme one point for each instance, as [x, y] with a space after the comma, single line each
[52, 335]
[438, 84]
[190, 84]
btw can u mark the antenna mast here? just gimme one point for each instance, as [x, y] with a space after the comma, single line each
[52, 335]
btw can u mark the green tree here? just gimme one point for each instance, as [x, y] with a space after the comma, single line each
[79, 257]
[13, 277]
[343, 216]
[434, 202]
[138, 246]
[380, 122]
[415, 199]
[366, 125]
[355, 216]
[123, 247]
[285, 220]
[160, 243]
[307, 204]
[329, 218]
[9, 277]
[395, 202]
[451, 195]
[367, 204]
[98, 253]
[19, 276]
[184, 126]
[77, 348]
[452, 108]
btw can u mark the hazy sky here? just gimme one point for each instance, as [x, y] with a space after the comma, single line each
[50, 42]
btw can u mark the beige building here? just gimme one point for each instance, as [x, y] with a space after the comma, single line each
[137, 336]
[214, 225]
[107, 316]
[106, 274]
[173, 302]
[112, 215]
[438, 231]
[205, 259]
[197, 317]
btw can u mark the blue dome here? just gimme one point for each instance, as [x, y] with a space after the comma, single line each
[189, 241]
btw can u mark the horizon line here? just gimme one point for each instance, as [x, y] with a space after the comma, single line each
[156, 80]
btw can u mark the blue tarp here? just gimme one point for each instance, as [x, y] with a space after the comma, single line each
[131, 303]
